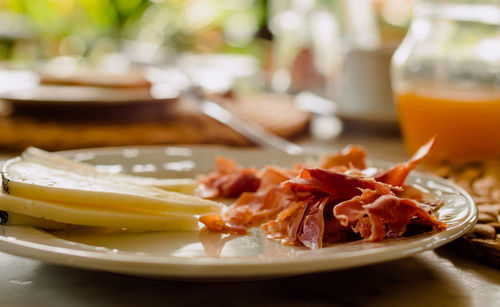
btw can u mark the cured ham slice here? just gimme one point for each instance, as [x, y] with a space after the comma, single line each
[251, 208]
[264, 204]
[397, 174]
[390, 215]
[228, 180]
[350, 157]
[272, 176]
[286, 225]
[301, 223]
[214, 222]
[313, 224]
[350, 211]
[335, 184]
[313, 206]
[334, 231]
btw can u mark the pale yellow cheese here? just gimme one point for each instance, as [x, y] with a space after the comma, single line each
[16, 219]
[36, 181]
[91, 216]
[182, 185]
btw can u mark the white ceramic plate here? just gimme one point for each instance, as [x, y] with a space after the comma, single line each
[381, 116]
[193, 255]
[23, 88]
[71, 95]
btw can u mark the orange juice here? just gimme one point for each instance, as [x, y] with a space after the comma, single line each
[467, 123]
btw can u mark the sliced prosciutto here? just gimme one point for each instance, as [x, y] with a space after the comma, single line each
[228, 181]
[251, 208]
[350, 211]
[272, 176]
[334, 183]
[389, 215]
[397, 174]
[261, 204]
[350, 157]
[313, 224]
[333, 203]
[286, 226]
[214, 222]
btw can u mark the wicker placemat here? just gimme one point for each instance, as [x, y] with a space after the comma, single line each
[177, 123]
[482, 181]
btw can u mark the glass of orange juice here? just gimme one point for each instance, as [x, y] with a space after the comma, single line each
[446, 79]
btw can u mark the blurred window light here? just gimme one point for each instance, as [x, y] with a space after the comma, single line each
[13, 80]
[62, 66]
[362, 24]
[14, 25]
[489, 49]
[237, 5]
[102, 47]
[285, 21]
[420, 28]
[240, 28]
[164, 91]
[72, 45]
[114, 63]
[199, 14]
[156, 24]
[488, 13]
[302, 5]
[396, 12]
[281, 81]
[170, 76]
[213, 80]
[326, 42]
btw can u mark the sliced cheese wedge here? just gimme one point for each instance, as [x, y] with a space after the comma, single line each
[15, 219]
[36, 181]
[181, 185]
[85, 216]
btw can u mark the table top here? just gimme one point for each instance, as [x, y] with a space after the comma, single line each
[443, 277]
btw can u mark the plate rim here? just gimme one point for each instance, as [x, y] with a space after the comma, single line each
[13, 97]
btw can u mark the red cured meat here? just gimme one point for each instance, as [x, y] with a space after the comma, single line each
[251, 208]
[317, 205]
[333, 183]
[334, 232]
[397, 174]
[272, 176]
[350, 157]
[228, 180]
[395, 213]
[349, 211]
[313, 224]
[214, 222]
[287, 223]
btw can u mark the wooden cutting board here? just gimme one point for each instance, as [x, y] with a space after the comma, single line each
[176, 123]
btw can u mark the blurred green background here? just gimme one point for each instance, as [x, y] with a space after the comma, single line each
[156, 30]
[39, 29]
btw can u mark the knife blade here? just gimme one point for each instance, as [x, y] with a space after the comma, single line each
[251, 131]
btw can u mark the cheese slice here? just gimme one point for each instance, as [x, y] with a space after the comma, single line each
[15, 219]
[42, 182]
[181, 185]
[50, 215]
